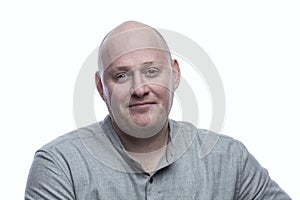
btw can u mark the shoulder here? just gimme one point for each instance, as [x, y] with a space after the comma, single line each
[223, 143]
[71, 141]
[209, 142]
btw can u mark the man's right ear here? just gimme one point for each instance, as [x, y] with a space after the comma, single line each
[99, 84]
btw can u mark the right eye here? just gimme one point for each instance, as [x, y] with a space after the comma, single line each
[122, 76]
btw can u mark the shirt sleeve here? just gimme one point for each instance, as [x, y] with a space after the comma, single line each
[255, 182]
[47, 180]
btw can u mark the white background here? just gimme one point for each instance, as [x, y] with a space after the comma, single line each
[254, 44]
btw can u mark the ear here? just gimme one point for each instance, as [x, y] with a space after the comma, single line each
[99, 84]
[176, 73]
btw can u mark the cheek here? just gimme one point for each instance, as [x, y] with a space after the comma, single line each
[119, 93]
[163, 92]
[106, 94]
[164, 86]
[166, 80]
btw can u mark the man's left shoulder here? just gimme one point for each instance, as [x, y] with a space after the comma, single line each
[209, 141]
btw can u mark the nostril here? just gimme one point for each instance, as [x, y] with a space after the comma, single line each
[140, 92]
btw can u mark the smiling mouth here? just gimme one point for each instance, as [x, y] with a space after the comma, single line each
[141, 104]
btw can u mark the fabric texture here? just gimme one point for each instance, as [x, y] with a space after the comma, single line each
[91, 163]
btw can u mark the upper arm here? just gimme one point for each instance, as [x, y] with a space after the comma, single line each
[46, 180]
[254, 180]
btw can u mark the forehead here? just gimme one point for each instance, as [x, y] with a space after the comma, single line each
[123, 46]
[139, 57]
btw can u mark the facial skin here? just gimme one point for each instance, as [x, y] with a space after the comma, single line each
[138, 91]
[137, 85]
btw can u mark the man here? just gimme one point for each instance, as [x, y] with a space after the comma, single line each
[137, 152]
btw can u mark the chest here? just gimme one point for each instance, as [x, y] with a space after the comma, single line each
[184, 179]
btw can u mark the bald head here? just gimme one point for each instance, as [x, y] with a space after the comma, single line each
[126, 26]
[128, 37]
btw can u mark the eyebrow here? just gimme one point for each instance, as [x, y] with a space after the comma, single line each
[145, 64]
[120, 68]
[125, 68]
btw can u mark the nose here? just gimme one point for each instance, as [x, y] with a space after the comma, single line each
[139, 86]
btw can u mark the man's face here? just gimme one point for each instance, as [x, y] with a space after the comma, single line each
[138, 90]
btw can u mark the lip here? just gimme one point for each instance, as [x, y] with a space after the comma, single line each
[141, 104]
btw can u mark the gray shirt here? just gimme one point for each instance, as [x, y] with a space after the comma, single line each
[91, 163]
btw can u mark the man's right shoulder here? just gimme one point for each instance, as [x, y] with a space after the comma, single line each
[72, 138]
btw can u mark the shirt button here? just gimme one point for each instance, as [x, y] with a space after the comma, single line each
[151, 180]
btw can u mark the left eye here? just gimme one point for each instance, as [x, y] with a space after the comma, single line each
[152, 71]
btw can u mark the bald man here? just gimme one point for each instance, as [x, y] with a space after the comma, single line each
[137, 152]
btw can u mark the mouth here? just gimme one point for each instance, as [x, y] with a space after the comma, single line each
[141, 105]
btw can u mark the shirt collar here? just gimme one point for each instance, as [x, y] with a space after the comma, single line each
[181, 135]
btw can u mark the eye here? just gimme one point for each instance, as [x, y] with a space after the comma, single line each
[122, 76]
[152, 71]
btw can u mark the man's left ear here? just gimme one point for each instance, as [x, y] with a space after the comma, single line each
[176, 73]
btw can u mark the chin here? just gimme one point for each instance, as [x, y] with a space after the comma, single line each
[142, 120]
[141, 124]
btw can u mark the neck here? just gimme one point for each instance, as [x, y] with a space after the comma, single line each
[143, 145]
[148, 151]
